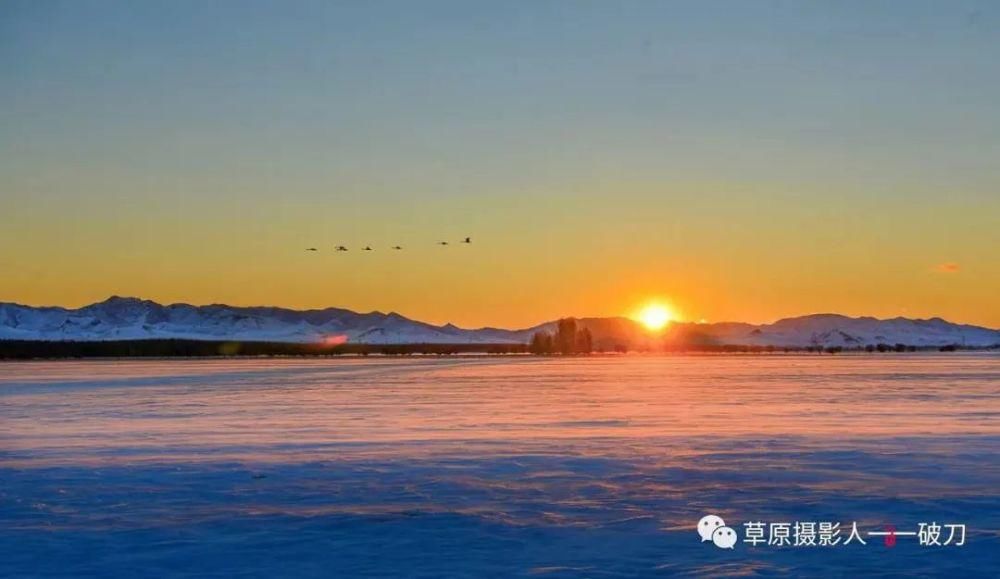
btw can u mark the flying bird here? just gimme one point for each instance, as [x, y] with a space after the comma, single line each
[311, 249]
[442, 243]
[396, 247]
[368, 248]
[467, 240]
[341, 248]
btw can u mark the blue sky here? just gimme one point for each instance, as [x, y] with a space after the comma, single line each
[272, 124]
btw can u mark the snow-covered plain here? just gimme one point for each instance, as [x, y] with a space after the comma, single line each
[493, 467]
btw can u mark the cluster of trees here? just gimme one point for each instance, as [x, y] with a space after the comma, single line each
[887, 348]
[567, 340]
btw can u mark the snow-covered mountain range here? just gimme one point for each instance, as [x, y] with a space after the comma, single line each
[120, 318]
[131, 319]
[836, 330]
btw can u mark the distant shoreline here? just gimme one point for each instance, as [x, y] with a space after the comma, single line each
[202, 349]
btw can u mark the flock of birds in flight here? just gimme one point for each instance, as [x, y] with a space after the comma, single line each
[395, 247]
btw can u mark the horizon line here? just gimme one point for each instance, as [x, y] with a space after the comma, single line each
[413, 319]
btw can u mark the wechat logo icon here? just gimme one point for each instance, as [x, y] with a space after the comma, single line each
[713, 528]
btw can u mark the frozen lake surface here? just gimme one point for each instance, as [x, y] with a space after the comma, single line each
[494, 467]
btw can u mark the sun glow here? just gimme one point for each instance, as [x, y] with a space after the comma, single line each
[655, 316]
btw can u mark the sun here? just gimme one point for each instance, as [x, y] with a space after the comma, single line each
[655, 316]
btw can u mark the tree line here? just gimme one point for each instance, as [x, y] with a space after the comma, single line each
[567, 340]
[170, 348]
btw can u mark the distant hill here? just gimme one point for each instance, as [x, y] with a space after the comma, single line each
[134, 319]
[833, 330]
[120, 318]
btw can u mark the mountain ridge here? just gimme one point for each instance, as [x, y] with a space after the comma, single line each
[129, 318]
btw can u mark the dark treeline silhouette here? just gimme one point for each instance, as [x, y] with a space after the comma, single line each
[745, 349]
[567, 340]
[29, 349]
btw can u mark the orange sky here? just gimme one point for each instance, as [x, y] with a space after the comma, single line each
[713, 257]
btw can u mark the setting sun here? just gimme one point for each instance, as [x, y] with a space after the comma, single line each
[655, 316]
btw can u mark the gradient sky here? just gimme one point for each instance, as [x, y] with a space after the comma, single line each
[742, 160]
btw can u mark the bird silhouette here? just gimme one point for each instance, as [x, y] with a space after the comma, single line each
[341, 248]
[368, 248]
[442, 243]
[311, 249]
[467, 240]
[396, 247]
